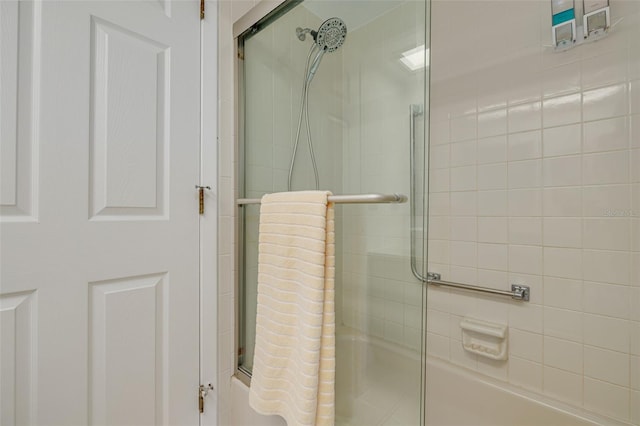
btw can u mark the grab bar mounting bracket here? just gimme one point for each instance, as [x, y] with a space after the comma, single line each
[520, 292]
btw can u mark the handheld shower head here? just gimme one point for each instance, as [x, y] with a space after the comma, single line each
[331, 34]
[315, 64]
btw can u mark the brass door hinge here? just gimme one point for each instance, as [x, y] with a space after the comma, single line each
[202, 392]
[201, 197]
[201, 9]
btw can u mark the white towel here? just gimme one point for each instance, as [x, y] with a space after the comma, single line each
[294, 361]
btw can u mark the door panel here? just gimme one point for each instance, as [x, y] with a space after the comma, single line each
[99, 240]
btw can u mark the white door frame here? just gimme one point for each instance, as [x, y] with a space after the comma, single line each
[209, 220]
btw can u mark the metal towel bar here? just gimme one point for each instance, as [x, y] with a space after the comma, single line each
[518, 292]
[347, 199]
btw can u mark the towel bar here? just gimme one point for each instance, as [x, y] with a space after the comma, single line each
[518, 292]
[347, 199]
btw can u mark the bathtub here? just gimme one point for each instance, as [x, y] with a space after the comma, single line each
[378, 383]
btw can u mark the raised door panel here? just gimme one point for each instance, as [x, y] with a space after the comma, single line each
[128, 350]
[129, 129]
[18, 358]
[19, 91]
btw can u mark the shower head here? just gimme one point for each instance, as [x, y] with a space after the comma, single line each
[331, 34]
[329, 37]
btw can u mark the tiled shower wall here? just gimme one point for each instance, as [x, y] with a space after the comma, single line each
[535, 179]
[381, 297]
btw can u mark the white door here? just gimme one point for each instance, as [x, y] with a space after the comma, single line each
[99, 234]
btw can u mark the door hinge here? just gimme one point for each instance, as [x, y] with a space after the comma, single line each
[201, 197]
[201, 9]
[202, 392]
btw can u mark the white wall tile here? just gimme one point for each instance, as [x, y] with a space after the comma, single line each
[563, 385]
[634, 336]
[606, 266]
[493, 368]
[562, 232]
[563, 324]
[526, 317]
[606, 398]
[562, 201]
[525, 146]
[525, 230]
[525, 374]
[439, 131]
[605, 168]
[606, 135]
[605, 102]
[492, 230]
[464, 228]
[562, 110]
[563, 262]
[439, 180]
[607, 234]
[463, 153]
[635, 407]
[525, 174]
[439, 227]
[608, 68]
[439, 157]
[526, 345]
[563, 293]
[493, 256]
[525, 117]
[492, 176]
[492, 150]
[438, 346]
[606, 332]
[634, 92]
[462, 357]
[438, 322]
[563, 140]
[561, 80]
[562, 171]
[609, 366]
[599, 201]
[607, 299]
[525, 202]
[563, 354]
[463, 128]
[525, 259]
[464, 203]
[492, 123]
[463, 178]
[492, 203]
[464, 253]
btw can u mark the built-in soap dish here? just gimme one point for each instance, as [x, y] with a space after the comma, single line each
[484, 338]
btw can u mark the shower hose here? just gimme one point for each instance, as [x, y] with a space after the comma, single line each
[304, 112]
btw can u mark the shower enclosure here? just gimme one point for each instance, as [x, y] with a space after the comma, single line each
[333, 97]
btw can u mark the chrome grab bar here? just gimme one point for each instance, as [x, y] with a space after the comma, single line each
[518, 292]
[346, 199]
[414, 111]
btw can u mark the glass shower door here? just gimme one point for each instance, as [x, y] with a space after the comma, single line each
[365, 105]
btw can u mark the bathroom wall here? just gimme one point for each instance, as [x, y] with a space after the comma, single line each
[535, 179]
[228, 13]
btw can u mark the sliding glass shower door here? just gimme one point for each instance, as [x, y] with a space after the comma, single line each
[351, 111]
